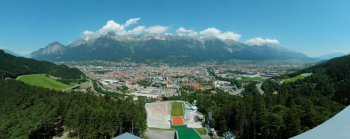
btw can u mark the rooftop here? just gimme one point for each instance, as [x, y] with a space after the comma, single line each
[127, 135]
[337, 127]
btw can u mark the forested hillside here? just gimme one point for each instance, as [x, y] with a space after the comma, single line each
[256, 116]
[285, 110]
[332, 78]
[32, 112]
[11, 66]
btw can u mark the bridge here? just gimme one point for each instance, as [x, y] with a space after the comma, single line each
[71, 88]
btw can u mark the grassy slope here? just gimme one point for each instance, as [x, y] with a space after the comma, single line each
[293, 79]
[176, 109]
[201, 131]
[42, 80]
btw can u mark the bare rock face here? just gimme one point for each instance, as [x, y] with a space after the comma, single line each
[53, 49]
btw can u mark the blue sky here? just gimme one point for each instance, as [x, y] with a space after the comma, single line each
[313, 27]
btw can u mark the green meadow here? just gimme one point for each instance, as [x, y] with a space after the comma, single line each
[43, 80]
[293, 79]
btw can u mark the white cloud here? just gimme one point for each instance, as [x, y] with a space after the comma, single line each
[137, 30]
[114, 28]
[210, 32]
[111, 27]
[186, 32]
[261, 41]
[230, 36]
[88, 33]
[131, 21]
[214, 32]
[156, 29]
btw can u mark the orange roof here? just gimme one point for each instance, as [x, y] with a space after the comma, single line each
[131, 81]
[197, 86]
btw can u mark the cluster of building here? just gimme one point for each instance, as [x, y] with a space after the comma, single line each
[224, 86]
[267, 70]
[147, 81]
[158, 81]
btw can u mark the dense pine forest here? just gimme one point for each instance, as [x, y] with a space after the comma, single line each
[33, 112]
[285, 110]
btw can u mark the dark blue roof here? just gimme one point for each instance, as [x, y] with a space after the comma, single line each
[127, 135]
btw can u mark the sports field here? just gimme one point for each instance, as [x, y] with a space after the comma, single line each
[177, 109]
[186, 133]
[43, 81]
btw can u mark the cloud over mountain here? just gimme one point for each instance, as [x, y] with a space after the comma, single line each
[137, 30]
[214, 32]
[261, 41]
[156, 29]
[186, 32]
[114, 28]
[132, 21]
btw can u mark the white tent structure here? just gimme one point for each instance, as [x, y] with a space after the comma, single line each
[338, 127]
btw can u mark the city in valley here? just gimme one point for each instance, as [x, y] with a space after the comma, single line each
[163, 86]
[180, 69]
[155, 82]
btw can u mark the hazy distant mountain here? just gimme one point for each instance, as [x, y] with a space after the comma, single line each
[51, 50]
[153, 47]
[332, 55]
[10, 52]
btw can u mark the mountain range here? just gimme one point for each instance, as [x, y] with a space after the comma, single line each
[332, 55]
[163, 48]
